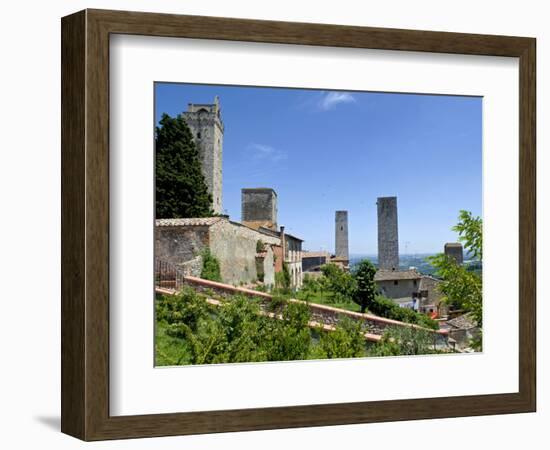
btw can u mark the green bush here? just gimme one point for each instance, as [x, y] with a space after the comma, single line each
[210, 266]
[347, 341]
[384, 307]
[398, 341]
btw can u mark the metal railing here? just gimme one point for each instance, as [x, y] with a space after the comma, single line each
[168, 275]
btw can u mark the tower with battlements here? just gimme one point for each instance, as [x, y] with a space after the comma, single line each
[341, 235]
[388, 248]
[205, 123]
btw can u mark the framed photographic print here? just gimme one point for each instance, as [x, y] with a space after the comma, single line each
[272, 225]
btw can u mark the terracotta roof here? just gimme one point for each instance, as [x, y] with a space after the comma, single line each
[464, 322]
[338, 258]
[428, 282]
[188, 222]
[390, 275]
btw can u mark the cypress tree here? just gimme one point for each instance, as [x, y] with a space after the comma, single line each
[181, 189]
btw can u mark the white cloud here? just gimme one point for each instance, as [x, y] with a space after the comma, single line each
[330, 99]
[266, 153]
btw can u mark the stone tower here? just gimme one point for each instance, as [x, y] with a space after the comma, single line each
[388, 248]
[454, 250]
[259, 208]
[341, 235]
[206, 126]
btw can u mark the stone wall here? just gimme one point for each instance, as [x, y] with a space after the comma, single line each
[234, 245]
[180, 244]
[321, 314]
[259, 207]
[454, 250]
[388, 247]
[403, 288]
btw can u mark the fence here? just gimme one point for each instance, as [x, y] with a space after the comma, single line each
[168, 275]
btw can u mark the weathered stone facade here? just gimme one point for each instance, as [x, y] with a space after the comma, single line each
[293, 259]
[205, 123]
[341, 235]
[259, 208]
[314, 260]
[388, 247]
[235, 246]
[454, 251]
[181, 241]
[398, 284]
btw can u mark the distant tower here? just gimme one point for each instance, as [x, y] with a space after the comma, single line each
[207, 128]
[259, 208]
[388, 247]
[454, 250]
[341, 235]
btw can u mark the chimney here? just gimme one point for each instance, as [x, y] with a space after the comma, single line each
[283, 242]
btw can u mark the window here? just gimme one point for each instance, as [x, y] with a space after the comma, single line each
[414, 282]
[199, 135]
[395, 282]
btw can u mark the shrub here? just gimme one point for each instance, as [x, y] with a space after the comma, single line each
[347, 341]
[210, 266]
[384, 307]
[397, 341]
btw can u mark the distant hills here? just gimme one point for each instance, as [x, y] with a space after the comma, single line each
[419, 261]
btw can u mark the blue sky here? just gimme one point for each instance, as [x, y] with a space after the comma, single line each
[324, 151]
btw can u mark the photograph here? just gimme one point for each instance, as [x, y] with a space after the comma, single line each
[305, 224]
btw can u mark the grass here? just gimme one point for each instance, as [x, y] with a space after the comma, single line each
[169, 350]
[325, 298]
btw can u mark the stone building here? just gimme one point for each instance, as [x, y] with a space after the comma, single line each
[292, 248]
[205, 123]
[388, 247]
[245, 255]
[341, 236]
[402, 286]
[454, 250]
[259, 208]
[398, 284]
[312, 261]
[293, 258]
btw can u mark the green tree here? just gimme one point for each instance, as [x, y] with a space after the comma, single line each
[365, 292]
[181, 190]
[461, 287]
[339, 283]
[470, 233]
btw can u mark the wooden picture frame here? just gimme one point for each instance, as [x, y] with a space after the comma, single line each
[85, 224]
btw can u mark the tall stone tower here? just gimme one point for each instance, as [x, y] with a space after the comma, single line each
[206, 126]
[259, 208]
[388, 248]
[341, 235]
[454, 250]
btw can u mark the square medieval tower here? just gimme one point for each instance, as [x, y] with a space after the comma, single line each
[388, 248]
[205, 123]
